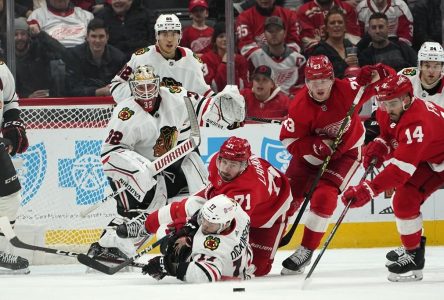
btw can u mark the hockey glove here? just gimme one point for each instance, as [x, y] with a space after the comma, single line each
[359, 195]
[365, 75]
[371, 129]
[376, 149]
[321, 148]
[159, 267]
[15, 132]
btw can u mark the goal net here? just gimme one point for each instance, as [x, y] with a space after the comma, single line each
[61, 173]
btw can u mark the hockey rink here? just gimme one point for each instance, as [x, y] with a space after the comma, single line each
[356, 274]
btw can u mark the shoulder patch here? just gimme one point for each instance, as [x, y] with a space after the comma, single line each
[174, 89]
[125, 114]
[211, 242]
[409, 72]
[198, 58]
[141, 51]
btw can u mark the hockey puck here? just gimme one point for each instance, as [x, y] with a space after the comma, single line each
[238, 289]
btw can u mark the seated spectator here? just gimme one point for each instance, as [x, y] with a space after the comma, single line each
[61, 20]
[37, 63]
[250, 26]
[197, 37]
[426, 21]
[311, 22]
[287, 64]
[89, 5]
[215, 62]
[335, 45]
[395, 54]
[399, 17]
[94, 63]
[265, 99]
[128, 25]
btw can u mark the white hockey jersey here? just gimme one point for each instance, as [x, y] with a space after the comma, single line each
[222, 256]
[413, 75]
[8, 97]
[68, 28]
[186, 72]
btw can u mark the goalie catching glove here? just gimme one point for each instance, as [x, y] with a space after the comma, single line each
[227, 109]
[15, 132]
[131, 170]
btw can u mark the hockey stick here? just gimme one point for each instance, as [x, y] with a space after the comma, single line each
[97, 265]
[335, 228]
[263, 120]
[286, 239]
[166, 159]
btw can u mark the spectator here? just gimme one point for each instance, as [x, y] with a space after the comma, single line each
[335, 45]
[311, 21]
[2, 30]
[287, 64]
[426, 22]
[61, 20]
[395, 54]
[250, 25]
[215, 62]
[400, 19]
[197, 37]
[265, 99]
[90, 5]
[95, 63]
[128, 25]
[37, 63]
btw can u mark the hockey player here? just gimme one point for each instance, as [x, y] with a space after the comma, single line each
[144, 127]
[212, 246]
[315, 116]
[176, 66]
[408, 125]
[13, 141]
[261, 190]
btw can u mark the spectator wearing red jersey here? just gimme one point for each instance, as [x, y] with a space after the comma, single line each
[311, 21]
[215, 62]
[265, 99]
[250, 25]
[197, 37]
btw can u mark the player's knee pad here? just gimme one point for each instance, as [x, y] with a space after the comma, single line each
[9, 181]
[9, 206]
[195, 172]
[324, 199]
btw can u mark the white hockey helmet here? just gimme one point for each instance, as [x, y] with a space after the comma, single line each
[144, 84]
[168, 22]
[219, 210]
[431, 51]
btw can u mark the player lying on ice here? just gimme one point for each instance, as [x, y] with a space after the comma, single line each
[262, 192]
[142, 128]
[213, 245]
[411, 137]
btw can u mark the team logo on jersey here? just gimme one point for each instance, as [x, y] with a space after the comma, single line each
[274, 152]
[31, 169]
[409, 72]
[141, 51]
[175, 89]
[166, 140]
[211, 242]
[125, 114]
[168, 81]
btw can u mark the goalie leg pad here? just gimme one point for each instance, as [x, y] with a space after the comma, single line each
[109, 239]
[9, 206]
[195, 172]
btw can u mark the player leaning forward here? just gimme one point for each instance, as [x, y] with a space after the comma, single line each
[13, 141]
[144, 127]
[313, 123]
[409, 135]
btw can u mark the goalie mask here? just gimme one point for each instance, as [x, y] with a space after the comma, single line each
[216, 214]
[144, 86]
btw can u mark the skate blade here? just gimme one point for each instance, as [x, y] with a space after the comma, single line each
[405, 277]
[286, 271]
[14, 272]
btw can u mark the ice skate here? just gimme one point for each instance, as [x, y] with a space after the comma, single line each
[393, 255]
[12, 264]
[133, 228]
[296, 263]
[408, 267]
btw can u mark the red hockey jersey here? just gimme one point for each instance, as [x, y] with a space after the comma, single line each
[198, 40]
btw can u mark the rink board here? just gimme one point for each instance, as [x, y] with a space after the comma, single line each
[56, 151]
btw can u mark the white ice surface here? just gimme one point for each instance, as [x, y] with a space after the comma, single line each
[356, 274]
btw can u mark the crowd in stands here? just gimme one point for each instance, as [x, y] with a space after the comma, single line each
[75, 47]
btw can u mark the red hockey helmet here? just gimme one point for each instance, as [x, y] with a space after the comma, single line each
[236, 149]
[393, 86]
[318, 67]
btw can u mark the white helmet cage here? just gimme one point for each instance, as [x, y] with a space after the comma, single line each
[430, 51]
[144, 83]
[169, 22]
[219, 210]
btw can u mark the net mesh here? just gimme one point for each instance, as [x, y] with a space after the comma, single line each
[61, 174]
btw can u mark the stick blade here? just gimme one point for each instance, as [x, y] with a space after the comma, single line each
[96, 265]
